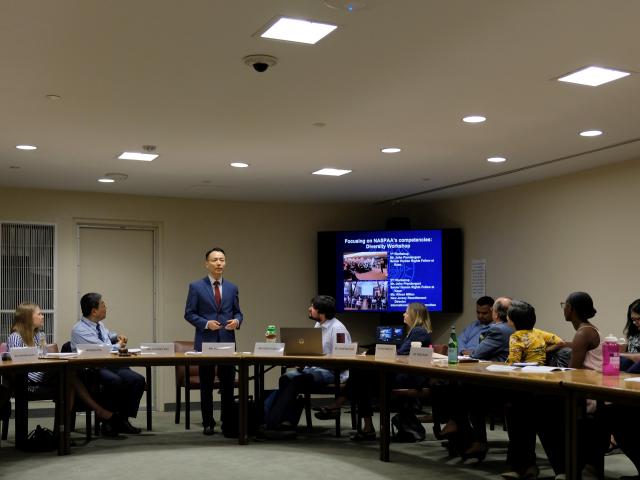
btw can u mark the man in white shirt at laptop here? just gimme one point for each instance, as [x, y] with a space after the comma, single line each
[282, 410]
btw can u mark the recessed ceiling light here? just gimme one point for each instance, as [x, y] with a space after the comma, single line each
[239, 165]
[53, 96]
[348, 5]
[14, 167]
[26, 147]
[143, 157]
[391, 150]
[106, 180]
[474, 119]
[334, 172]
[591, 133]
[593, 76]
[496, 159]
[301, 31]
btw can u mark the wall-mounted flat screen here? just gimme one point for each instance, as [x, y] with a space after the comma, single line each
[385, 270]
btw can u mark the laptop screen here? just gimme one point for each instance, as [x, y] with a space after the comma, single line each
[390, 334]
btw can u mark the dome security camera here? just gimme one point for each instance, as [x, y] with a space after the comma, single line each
[260, 63]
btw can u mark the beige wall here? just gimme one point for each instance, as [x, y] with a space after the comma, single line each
[271, 254]
[546, 239]
[541, 241]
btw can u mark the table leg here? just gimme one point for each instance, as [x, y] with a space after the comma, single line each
[64, 411]
[336, 394]
[21, 409]
[243, 393]
[571, 435]
[149, 395]
[385, 435]
[187, 398]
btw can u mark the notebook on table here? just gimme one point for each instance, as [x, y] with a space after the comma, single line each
[302, 341]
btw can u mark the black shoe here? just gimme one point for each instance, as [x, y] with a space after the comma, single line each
[108, 428]
[327, 414]
[364, 437]
[208, 430]
[126, 427]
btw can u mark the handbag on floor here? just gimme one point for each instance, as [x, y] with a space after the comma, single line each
[41, 439]
[406, 428]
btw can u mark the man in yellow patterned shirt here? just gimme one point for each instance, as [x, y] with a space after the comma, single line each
[528, 344]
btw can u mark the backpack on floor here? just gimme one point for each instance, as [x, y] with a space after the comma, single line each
[406, 428]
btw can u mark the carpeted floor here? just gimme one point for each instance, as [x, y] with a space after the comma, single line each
[170, 452]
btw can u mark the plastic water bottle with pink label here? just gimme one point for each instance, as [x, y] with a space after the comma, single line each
[610, 356]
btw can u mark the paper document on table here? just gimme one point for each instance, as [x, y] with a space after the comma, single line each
[61, 355]
[439, 356]
[632, 379]
[501, 368]
[543, 369]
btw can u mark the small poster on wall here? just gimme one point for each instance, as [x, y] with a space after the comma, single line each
[478, 278]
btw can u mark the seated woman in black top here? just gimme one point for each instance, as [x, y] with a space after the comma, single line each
[363, 385]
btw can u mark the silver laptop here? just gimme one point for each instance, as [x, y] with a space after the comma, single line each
[302, 341]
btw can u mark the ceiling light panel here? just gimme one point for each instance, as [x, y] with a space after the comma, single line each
[474, 119]
[300, 31]
[26, 147]
[391, 150]
[332, 172]
[591, 133]
[594, 76]
[142, 157]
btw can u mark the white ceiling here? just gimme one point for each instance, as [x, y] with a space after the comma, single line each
[398, 73]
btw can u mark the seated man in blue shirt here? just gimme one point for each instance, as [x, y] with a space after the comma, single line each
[470, 336]
[123, 387]
[282, 410]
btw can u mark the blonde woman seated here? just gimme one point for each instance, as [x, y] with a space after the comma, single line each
[27, 325]
[362, 386]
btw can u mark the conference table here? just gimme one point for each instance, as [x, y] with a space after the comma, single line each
[18, 372]
[571, 386]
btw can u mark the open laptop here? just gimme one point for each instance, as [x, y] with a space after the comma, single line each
[390, 335]
[302, 341]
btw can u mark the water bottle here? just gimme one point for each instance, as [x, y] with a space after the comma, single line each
[453, 347]
[270, 334]
[610, 356]
[42, 347]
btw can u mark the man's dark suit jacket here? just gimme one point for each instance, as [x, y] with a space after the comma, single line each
[201, 307]
[495, 344]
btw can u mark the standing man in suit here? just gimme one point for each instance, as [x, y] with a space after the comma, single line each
[213, 308]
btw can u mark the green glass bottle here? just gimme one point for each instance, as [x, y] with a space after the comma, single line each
[453, 347]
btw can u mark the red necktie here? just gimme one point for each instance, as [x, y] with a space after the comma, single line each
[216, 293]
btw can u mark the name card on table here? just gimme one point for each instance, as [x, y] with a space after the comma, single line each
[345, 350]
[385, 352]
[421, 356]
[157, 348]
[269, 349]
[24, 354]
[93, 350]
[218, 349]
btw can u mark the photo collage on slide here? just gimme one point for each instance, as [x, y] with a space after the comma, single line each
[366, 280]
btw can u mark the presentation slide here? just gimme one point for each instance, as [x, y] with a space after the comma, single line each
[386, 270]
